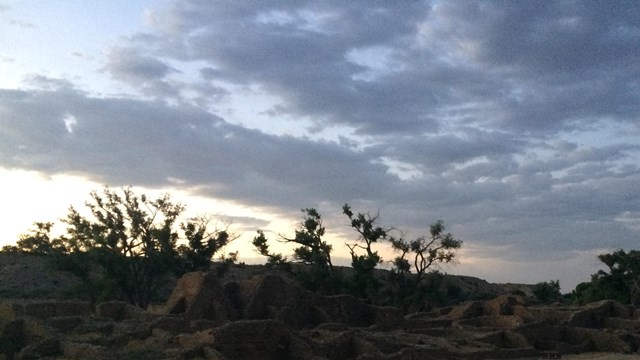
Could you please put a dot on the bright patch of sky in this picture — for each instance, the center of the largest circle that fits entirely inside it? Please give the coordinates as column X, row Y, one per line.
column 378, row 61
column 64, row 39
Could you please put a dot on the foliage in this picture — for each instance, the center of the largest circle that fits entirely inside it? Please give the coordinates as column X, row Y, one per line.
column 409, row 290
column 310, row 250
column 547, row 292
column 364, row 282
column 277, row 261
column 440, row 247
column 37, row 241
column 128, row 246
column 620, row 283
column 202, row 244
column 434, row 289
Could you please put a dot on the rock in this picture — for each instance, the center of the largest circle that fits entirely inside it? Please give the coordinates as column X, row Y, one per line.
column 73, row 308
column 125, row 331
column 622, row 324
column 270, row 294
column 413, row 324
column 9, row 311
column 119, row 310
column 505, row 339
column 502, row 305
column 196, row 339
column 36, row 329
column 40, row 309
column 365, row 349
column 273, row 297
column 541, row 335
column 611, row 342
column 64, row 323
column 551, row 315
column 41, row 349
column 387, row 318
column 12, row 338
column 254, row 339
column 272, row 317
column 492, row 321
column 347, row 309
column 593, row 315
column 157, row 340
column 99, row 326
column 330, row 343
column 466, row 310
column 212, row 354
column 79, row 351
column 199, row 295
column 332, row 327
column 171, row 324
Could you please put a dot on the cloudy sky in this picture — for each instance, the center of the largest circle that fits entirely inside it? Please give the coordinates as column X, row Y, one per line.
column 517, row 123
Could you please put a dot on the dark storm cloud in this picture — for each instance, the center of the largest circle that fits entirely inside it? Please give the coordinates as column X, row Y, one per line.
column 128, row 65
column 527, row 66
column 125, row 141
column 562, row 60
column 143, row 72
column 299, row 51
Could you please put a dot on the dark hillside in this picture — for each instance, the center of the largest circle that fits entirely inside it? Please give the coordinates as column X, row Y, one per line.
column 24, row 276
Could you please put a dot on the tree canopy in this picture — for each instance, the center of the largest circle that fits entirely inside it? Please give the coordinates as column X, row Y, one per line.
column 127, row 244
column 621, row 282
column 124, row 246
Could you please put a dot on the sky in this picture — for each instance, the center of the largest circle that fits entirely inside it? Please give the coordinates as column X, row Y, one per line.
column 516, row 123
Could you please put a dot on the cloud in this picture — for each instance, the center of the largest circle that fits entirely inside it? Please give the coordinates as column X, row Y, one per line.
column 534, row 67
column 516, row 123
column 113, row 137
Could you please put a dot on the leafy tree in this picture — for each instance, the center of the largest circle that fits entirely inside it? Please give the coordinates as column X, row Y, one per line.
column 409, row 290
column 277, row 261
column 620, row 283
column 37, row 241
column 547, row 292
column 364, row 281
column 128, row 245
column 202, row 244
column 440, row 247
column 312, row 250
column 131, row 237
column 309, row 249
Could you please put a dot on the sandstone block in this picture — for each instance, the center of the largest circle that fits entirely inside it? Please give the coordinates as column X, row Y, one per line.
column 253, row 340
column 119, row 310
column 40, row 309
column 172, row 324
column 73, row 308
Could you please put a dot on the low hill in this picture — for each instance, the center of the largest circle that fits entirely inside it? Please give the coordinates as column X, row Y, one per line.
column 24, row 276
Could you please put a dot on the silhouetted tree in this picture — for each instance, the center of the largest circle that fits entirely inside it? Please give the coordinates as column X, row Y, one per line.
column 37, row 241
column 128, row 245
column 277, row 261
column 364, row 281
column 311, row 248
column 439, row 247
column 202, row 243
